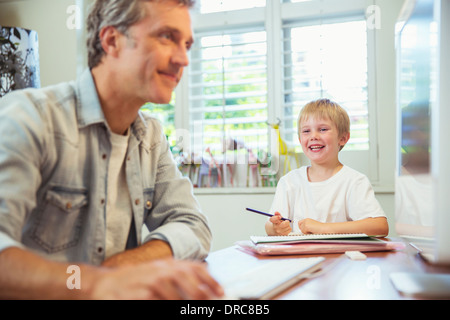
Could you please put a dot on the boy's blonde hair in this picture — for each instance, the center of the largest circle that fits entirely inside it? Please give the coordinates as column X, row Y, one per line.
column 326, row 109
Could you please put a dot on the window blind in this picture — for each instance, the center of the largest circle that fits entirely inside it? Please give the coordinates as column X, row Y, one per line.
column 228, row 90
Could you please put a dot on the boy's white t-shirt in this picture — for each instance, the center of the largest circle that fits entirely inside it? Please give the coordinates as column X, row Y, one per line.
column 346, row 196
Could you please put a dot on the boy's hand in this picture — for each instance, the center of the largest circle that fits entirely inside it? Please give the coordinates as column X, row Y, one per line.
column 280, row 227
column 311, row 226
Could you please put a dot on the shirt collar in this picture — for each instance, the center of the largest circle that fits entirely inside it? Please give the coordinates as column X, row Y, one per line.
column 89, row 110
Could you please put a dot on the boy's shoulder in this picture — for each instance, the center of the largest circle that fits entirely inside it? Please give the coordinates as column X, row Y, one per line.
column 294, row 176
column 352, row 175
column 296, row 172
column 350, row 171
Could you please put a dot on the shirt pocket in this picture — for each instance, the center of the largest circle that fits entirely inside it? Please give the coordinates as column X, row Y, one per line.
column 59, row 222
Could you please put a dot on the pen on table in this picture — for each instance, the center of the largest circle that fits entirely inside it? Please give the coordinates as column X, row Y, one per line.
column 266, row 214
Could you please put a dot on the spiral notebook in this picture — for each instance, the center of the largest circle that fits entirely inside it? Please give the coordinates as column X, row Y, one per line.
column 295, row 238
column 319, row 247
column 317, row 244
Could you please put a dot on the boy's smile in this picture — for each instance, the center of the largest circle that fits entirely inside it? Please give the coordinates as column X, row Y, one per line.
column 316, row 147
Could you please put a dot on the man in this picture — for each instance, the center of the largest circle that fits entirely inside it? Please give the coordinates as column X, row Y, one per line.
column 82, row 169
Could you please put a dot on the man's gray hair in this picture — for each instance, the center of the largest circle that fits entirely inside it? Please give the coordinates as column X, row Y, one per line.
column 120, row 14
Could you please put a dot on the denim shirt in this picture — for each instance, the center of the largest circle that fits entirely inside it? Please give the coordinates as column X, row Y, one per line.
column 54, row 154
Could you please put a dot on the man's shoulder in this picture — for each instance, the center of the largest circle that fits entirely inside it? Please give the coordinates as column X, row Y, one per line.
column 153, row 124
column 42, row 100
column 152, row 127
column 41, row 97
column 149, row 118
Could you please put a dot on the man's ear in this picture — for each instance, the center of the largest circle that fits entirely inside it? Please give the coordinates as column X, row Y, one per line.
column 110, row 40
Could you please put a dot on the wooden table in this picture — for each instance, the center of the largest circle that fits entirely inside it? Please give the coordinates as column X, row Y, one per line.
column 342, row 278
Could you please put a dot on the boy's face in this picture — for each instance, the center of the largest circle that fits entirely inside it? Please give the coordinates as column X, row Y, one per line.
column 320, row 140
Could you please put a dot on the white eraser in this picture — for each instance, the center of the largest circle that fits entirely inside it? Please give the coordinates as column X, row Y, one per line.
column 355, row 255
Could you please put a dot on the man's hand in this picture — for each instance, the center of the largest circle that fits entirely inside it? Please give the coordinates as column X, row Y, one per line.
column 160, row 279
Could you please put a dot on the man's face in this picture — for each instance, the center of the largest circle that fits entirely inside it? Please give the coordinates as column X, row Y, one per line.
column 155, row 51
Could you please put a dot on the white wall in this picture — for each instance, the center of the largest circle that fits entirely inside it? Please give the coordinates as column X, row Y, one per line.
column 57, row 43
column 228, row 219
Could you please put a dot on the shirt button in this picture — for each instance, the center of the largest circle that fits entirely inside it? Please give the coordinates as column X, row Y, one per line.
column 102, row 201
column 137, row 201
column 148, row 204
column 104, row 156
column 99, row 249
column 68, row 205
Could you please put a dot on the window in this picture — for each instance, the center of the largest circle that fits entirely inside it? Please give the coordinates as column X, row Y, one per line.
column 228, row 91
column 261, row 64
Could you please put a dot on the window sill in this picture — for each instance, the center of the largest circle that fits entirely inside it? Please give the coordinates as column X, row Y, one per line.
column 237, row 190
column 269, row 190
column 383, row 189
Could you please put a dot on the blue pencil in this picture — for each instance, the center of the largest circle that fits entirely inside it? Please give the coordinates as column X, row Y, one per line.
column 266, row 214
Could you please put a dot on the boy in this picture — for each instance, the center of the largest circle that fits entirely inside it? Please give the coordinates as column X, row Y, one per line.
column 327, row 196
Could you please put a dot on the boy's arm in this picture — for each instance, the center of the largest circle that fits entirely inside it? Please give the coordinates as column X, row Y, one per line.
column 371, row 226
column 274, row 226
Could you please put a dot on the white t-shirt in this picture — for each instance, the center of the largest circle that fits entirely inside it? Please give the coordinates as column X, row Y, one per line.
column 346, row 196
column 118, row 205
